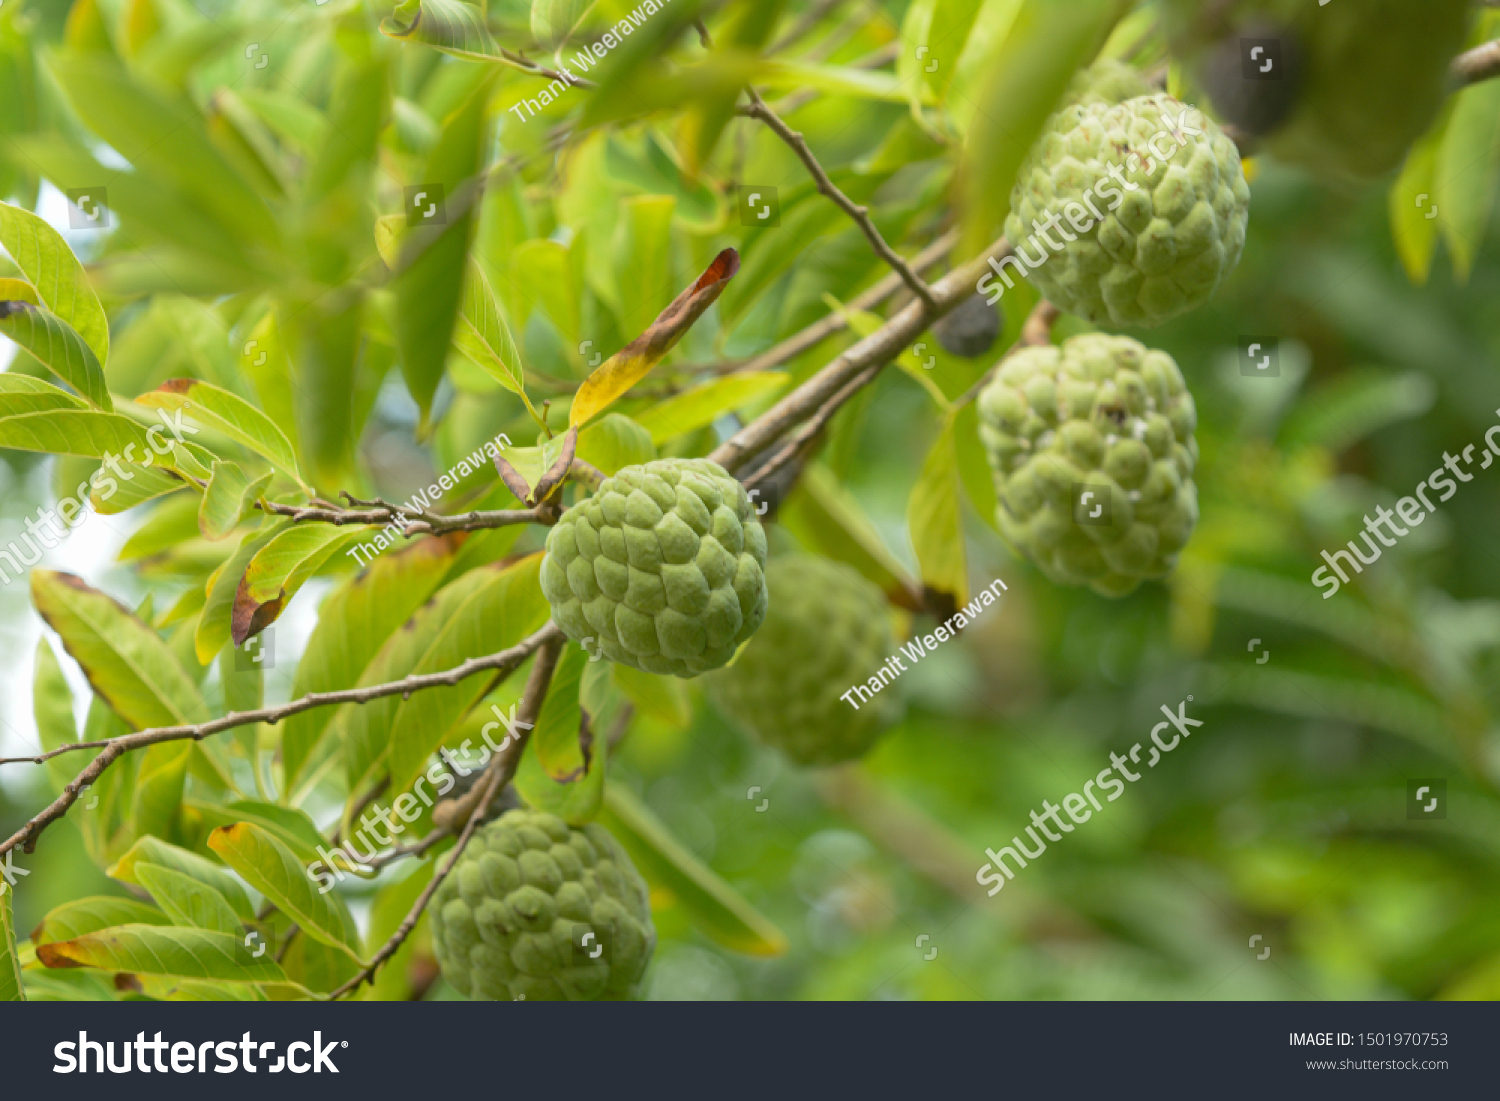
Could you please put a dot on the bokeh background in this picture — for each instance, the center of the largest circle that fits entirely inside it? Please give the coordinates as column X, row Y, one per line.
column 1286, row 816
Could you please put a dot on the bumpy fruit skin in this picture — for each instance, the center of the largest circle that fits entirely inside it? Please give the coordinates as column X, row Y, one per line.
column 511, row 918
column 1375, row 77
column 1102, row 415
column 661, row 568
column 828, row 629
column 1172, row 228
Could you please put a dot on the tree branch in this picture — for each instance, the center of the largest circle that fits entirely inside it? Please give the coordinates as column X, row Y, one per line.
column 875, row 350
column 820, row 330
column 112, row 749
column 1480, row 63
column 860, row 214
column 381, row 513
column 501, row 770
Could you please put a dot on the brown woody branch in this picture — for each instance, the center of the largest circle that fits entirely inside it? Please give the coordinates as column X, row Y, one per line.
column 1480, row 63
column 412, row 521
column 505, row 661
column 501, row 770
column 875, row 350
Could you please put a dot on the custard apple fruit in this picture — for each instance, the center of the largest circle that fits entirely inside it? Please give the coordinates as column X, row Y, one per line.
column 661, row 569
column 1375, row 72
column 1092, row 449
column 827, row 630
column 538, row 909
column 1149, row 205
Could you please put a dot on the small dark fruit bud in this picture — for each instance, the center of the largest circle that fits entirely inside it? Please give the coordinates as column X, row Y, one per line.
column 970, row 330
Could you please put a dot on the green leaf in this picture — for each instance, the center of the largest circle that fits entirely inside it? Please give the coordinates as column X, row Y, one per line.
column 57, row 347
column 156, row 798
column 716, row 907
column 229, row 498
column 643, row 258
column 429, row 286
column 214, row 623
column 556, row 736
column 52, row 708
column 613, row 442
column 274, row 870
column 10, row 963
column 392, row 903
column 541, row 270
column 94, row 434
column 825, row 517
column 1046, row 44
column 21, row 394
column 1466, row 172
column 165, row 138
column 837, row 80
column 279, row 569
column 230, row 414
column 187, row 901
column 973, row 465
column 486, row 610
column 1413, row 209
column 484, row 337
column 702, row 405
column 354, row 622
column 449, row 25
column 933, row 35
column 662, row 698
column 127, row 662
column 576, row 800
column 89, row 915
column 292, row 827
column 159, row 950
column 1358, row 403
column 934, row 515
column 55, row 275
column 151, row 850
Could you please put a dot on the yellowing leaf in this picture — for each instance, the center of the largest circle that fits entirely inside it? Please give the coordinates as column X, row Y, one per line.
column 632, row 363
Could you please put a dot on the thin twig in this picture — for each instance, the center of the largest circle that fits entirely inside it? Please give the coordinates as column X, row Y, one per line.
column 875, row 350
column 501, row 770
column 1480, row 63
column 411, row 521
column 113, row 748
column 860, row 214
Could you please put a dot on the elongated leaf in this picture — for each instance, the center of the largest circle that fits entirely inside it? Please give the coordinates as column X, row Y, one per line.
column 542, row 270
column 274, row 870
column 164, row 137
column 429, row 287
column 933, row 36
column 556, row 736
column 95, row 434
column 615, row 441
column 125, row 660
column 10, row 963
column 54, row 343
column 293, row 828
column 213, row 627
column 23, row 394
column 150, row 850
column 89, row 915
column 552, row 21
column 575, row 800
column 229, row 498
column 702, row 405
column 823, row 515
column 55, row 275
column 632, row 363
column 643, row 258
column 449, row 25
column 483, row 335
column 18, row 290
column 1046, row 44
column 392, row 903
column 161, row 950
column 354, row 622
column 279, row 569
column 717, row 908
column 484, row 611
column 156, row 797
column 662, row 698
column 973, row 465
column 934, row 514
column 1414, row 209
column 1466, row 172
column 187, row 901
column 228, row 413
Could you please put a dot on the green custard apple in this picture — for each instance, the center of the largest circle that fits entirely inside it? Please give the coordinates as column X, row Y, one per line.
column 1092, row 449
column 539, row 910
column 827, row 630
column 1127, row 213
column 661, row 569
